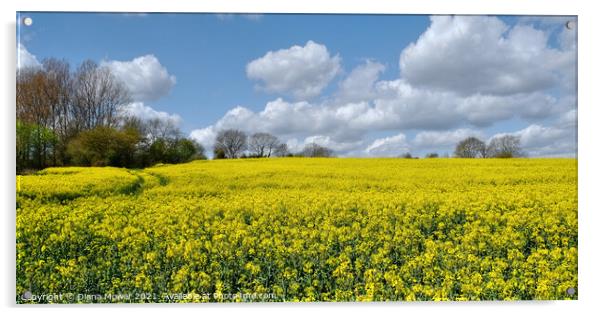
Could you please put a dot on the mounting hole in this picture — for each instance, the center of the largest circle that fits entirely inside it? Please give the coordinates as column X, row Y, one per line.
column 27, row 295
column 27, row 21
column 570, row 25
column 570, row 291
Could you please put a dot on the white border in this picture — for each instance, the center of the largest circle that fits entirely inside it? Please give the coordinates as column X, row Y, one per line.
column 589, row 150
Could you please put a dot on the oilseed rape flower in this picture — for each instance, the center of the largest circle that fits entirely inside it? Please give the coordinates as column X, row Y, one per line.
column 299, row 229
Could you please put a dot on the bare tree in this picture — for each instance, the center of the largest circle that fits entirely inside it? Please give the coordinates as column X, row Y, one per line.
column 281, row 150
column 315, row 150
column 471, row 147
column 162, row 129
column 32, row 106
column 262, row 144
column 58, row 93
column 231, row 142
column 132, row 121
column 406, row 155
column 97, row 95
column 506, row 146
column 57, row 109
column 60, row 104
column 34, row 118
column 151, row 130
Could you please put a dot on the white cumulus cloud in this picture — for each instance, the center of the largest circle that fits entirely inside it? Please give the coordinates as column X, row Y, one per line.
column 480, row 54
column 391, row 146
column 396, row 106
column 444, row 139
column 359, row 84
column 547, row 141
column 147, row 113
column 336, row 145
column 302, row 71
column 26, row 59
column 461, row 76
column 204, row 136
column 145, row 77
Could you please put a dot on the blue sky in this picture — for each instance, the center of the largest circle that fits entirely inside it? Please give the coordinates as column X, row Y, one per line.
column 409, row 93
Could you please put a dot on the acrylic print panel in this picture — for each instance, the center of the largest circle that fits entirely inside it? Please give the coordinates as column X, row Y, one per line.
column 279, row 158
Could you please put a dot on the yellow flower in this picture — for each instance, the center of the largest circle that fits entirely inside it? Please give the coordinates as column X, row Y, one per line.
column 303, row 230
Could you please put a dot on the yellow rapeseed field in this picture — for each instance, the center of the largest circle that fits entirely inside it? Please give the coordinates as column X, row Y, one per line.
column 300, row 229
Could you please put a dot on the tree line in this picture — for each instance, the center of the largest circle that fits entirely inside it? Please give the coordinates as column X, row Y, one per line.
column 233, row 143
column 71, row 117
column 67, row 117
column 506, row 146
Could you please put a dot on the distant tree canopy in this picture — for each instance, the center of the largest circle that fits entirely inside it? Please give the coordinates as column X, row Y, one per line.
column 262, row 144
column 128, row 146
column 218, row 153
column 36, row 146
column 281, row 150
column 315, row 150
column 471, row 147
column 232, row 143
column 66, row 117
column 104, row 146
column 507, row 146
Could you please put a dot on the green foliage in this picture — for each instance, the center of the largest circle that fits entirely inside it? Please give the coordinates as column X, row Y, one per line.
column 218, row 153
column 126, row 147
column 104, row 146
column 66, row 117
column 175, row 151
column 36, row 146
